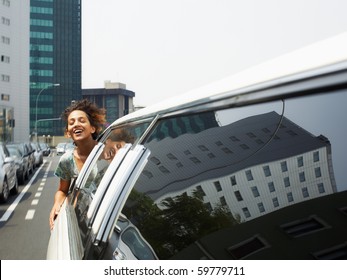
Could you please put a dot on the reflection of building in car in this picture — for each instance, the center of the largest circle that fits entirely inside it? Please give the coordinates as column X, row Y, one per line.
column 245, row 164
column 127, row 242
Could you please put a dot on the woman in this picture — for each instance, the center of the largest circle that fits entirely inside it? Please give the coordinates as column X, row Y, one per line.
column 84, row 121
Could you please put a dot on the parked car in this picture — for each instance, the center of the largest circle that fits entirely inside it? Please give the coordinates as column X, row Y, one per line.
column 61, row 148
column 250, row 167
column 31, row 156
column 26, row 154
column 22, row 170
column 38, row 153
column 8, row 178
column 46, row 150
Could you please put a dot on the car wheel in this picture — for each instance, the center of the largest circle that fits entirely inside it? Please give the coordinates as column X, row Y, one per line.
column 26, row 175
column 22, row 178
column 14, row 190
column 5, row 192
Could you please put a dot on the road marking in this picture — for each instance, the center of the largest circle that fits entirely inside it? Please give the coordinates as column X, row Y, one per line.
column 35, row 202
column 15, row 203
column 30, row 214
column 40, row 189
column 38, row 194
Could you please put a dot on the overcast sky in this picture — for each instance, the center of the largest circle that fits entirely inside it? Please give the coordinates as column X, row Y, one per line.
column 163, row 48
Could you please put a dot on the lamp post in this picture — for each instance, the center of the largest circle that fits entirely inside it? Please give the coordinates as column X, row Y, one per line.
column 37, row 98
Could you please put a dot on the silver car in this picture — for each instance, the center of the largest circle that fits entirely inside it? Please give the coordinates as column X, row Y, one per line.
column 250, row 167
column 22, row 169
column 8, row 177
column 38, row 153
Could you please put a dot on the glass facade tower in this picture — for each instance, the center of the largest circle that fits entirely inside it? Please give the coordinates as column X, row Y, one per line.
column 55, row 62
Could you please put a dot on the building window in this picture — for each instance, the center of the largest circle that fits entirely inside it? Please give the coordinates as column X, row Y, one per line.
column 244, row 146
column 275, row 202
column 284, row 166
column 203, row 148
column 291, row 132
column 271, row 186
column 286, row 182
column 223, row 201
column 251, row 135
column 219, row 143
column 316, row 156
column 249, row 175
column 200, row 191
column 238, row 195
column 255, row 191
column 247, row 247
column 5, row 78
column 227, row 150
column 321, row 188
column 305, row 193
column 337, row 252
column 234, row 139
column 300, row 161
column 318, row 172
column 208, row 207
column 233, row 180
column 304, row 227
column 290, row 197
column 5, row 40
column 267, row 171
column 217, row 186
column 195, row 160
column 302, row 177
column 246, row 212
column 211, row 155
column 261, row 207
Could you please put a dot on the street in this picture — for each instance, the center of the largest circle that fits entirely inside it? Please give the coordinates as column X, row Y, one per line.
column 24, row 227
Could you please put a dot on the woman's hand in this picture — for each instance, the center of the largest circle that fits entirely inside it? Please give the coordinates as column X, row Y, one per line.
column 53, row 215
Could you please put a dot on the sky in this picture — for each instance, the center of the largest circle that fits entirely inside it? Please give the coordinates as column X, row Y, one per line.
column 164, row 48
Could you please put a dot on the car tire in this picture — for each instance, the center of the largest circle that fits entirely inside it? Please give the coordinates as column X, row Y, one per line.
column 15, row 189
column 22, row 178
column 5, row 192
column 26, row 175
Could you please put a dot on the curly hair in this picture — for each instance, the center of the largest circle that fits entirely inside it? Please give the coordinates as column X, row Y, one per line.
column 96, row 115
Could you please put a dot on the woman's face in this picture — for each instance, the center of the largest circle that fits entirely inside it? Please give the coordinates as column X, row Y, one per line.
column 111, row 148
column 78, row 126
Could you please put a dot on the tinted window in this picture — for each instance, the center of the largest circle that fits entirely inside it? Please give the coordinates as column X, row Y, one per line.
column 82, row 197
column 196, row 197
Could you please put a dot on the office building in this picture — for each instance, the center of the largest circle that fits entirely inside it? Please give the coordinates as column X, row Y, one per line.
column 14, row 70
column 114, row 97
column 55, row 62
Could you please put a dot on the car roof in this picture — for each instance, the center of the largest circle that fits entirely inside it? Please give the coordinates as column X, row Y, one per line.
column 323, row 57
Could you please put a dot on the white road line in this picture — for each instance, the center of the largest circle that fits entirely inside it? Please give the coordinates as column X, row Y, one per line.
column 40, row 189
column 30, row 214
column 38, row 194
column 35, row 202
column 14, row 204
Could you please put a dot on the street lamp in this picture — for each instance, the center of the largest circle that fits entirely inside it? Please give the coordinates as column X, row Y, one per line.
column 37, row 98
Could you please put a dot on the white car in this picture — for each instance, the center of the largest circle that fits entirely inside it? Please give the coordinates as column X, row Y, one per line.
column 61, row 148
column 250, row 167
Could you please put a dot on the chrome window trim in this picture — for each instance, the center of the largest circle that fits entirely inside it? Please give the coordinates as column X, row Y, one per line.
column 91, row 159
column 119, row 188
column 103, row 186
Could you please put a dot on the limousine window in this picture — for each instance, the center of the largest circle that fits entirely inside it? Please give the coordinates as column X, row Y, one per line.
column 182, row 213
column 82, row 198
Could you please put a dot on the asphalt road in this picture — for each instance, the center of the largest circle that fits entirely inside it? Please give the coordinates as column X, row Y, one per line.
column 24, row 227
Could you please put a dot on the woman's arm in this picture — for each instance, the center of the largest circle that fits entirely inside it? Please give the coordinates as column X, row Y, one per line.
column 59, row 198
